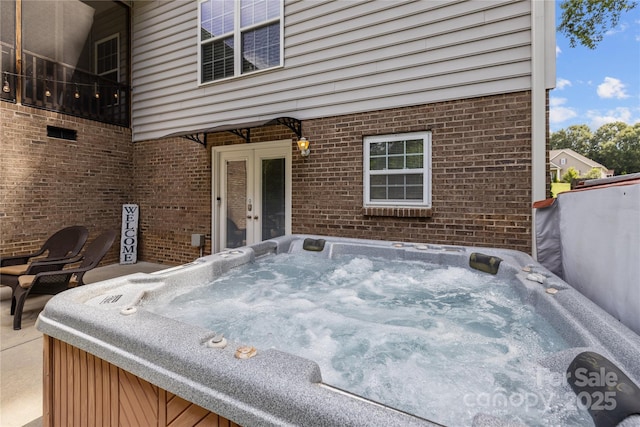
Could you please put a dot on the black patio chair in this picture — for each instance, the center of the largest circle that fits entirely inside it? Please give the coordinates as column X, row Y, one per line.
column 64, row 244
column 54, row 282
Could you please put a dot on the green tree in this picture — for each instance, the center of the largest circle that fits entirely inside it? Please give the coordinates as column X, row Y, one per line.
column 577, row 137
column 570, row 176
column 608, row 155
column 614, row 145
column 607, row 152
column 586, row 21
column 594, row 173
column 618, row 147
column 628, row 144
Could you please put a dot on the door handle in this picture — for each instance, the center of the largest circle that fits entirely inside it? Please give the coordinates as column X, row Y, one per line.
column 255, row 217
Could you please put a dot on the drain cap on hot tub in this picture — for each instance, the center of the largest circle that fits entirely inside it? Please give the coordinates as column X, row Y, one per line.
column 217, row 341
column 245, row 352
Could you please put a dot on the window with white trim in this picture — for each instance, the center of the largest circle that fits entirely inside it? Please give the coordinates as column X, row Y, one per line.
column 397, row 170
column 107, row 65
column 239, row 37
column 108, row 58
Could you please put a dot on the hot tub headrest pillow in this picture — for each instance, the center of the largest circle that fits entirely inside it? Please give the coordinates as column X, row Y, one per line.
column 482, row 262
column 600, row 386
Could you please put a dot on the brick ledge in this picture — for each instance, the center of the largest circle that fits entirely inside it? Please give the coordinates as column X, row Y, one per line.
column 399, row 212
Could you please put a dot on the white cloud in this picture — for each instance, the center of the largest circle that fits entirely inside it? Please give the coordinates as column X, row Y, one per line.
column 619, row 29
column 562, row 83
column 612, row 88
column 558, row 113
column 558, row 51
column 620, row 114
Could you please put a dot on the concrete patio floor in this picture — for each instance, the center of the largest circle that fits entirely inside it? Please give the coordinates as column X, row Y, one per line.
column 21, row 351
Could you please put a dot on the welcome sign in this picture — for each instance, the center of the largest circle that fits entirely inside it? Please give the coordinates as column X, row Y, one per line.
column 129, row 238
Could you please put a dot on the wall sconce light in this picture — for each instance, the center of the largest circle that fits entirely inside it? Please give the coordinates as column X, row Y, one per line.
column 76, row 94
column 303, row 145
column 47, row 92
column 6, row 88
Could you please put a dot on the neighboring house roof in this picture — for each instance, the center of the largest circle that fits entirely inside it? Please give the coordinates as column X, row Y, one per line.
column 569, row 152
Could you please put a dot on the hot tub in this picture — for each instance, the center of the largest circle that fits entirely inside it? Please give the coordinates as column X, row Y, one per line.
column 181, row 337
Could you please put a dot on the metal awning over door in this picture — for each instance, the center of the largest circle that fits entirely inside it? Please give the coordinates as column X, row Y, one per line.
column 243, row 130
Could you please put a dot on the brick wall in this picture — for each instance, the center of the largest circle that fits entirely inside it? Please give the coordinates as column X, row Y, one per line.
column 172, row 185
column 49, row 183
column 481, row 179
column 481, row 192
column 481, row 189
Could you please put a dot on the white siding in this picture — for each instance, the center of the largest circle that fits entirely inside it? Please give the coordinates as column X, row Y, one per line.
column 340, row 57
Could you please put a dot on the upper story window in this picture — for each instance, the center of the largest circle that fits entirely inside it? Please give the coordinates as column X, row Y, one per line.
column 238, row 37
column 397, row 170
column 563, row 161
column 107, row 52
column 108, row 58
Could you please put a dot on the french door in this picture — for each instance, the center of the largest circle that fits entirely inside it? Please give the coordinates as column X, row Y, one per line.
column 252, row 193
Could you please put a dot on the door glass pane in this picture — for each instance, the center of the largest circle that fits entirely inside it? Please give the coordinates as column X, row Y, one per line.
column 236, row 196
column 273, row 198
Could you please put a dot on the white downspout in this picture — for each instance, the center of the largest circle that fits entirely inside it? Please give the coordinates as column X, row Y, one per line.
column 542, row 39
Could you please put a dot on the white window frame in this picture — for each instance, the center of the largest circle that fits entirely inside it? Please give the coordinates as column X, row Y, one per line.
column 237, row 42
column 104, row 40
column 425, row 170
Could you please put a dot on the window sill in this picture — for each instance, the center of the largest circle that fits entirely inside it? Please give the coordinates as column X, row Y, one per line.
column 398, row 212
column 247, row 74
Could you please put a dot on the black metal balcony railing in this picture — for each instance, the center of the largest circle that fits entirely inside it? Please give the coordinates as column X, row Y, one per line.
column 57, row 87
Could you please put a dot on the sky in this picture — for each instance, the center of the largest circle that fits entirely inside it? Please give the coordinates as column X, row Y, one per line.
column 601, row 85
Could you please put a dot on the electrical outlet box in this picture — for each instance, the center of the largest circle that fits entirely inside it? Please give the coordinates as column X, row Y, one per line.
column 197, row 240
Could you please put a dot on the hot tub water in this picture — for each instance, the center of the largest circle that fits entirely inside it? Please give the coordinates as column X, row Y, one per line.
column 443, row 343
